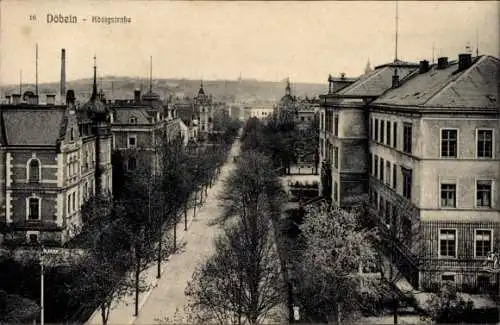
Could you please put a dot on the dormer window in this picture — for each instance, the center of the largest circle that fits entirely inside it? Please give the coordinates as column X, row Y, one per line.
column 34, row 170
column 132, row 120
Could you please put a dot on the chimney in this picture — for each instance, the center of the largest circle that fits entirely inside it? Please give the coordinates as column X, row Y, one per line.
column 395, row 80
column 8, row 99
column 70, row 97
column 464, row 61
column 51, row 99
column 137, row 95
column 16, row 99
column 424, row 66
column 442, row 63
column 63, row 73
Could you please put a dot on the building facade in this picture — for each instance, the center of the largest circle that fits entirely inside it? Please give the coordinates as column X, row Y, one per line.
column 53, row 158
column 420, row 140
column 139, row 126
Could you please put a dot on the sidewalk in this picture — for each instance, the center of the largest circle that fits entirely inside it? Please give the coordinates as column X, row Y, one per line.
column 166, row 294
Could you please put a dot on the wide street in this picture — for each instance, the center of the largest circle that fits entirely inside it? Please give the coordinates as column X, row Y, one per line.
column 167, row 295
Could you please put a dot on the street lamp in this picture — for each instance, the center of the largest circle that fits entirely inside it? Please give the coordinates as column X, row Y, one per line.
column 43, row 252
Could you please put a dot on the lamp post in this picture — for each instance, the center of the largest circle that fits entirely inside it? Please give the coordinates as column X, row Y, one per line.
column 43, row 252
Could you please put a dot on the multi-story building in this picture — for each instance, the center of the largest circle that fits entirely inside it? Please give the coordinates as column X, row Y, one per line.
column 425, row 151
column 343, row 130
column 139, row 126
column 52, row 159
column 261, row 111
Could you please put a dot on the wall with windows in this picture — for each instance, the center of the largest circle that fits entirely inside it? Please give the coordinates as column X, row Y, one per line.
column 460, row 138
column 455, row 251
column 461, row 171
column 124, row 139
column 393, row 151
column 34, row 207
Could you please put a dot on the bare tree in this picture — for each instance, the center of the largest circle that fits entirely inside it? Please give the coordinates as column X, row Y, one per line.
column 242, row 281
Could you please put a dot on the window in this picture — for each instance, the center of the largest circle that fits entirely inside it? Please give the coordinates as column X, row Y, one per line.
column 395, row 135
column 132, row 141
column 407, row 137
column 382, row 169
column 33, row 208
column 132, row 120
column 388, row 130
column 372, row 167
column 69, row 203
column 448, row 278
column 407, row 182
column 33, row 238
column 483, row 194
column 375, row 136
column 336, row 125
column 301, row 118
column 382, row 131
column 336, row 157
column 448, row 195
column 335, row 191
column 371, row 129
column 86, row 190
column 388, row 210
column 483, row 243
column 131, row 164
column 73, row 205
column 388, row 172
column 34, row 170
column 449, row 143
column 484, row 143
column 394, row 176
column 375, row 172
column 447, row 243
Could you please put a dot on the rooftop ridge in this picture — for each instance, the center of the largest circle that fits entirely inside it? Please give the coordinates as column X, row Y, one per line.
column 453, row 80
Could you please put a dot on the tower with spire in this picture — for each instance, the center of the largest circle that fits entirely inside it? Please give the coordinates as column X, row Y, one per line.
column 205, row 111
column 368, row 67
column 98, row 122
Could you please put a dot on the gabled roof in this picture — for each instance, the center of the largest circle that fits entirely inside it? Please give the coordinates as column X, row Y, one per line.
column 33, row 126
column 123, row 115
column 475, row 87
column 376, row 82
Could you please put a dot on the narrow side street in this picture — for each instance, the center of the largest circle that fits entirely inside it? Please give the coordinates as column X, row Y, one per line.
column 196, row 244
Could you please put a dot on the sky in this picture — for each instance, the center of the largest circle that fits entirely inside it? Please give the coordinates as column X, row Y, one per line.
column 208, row 40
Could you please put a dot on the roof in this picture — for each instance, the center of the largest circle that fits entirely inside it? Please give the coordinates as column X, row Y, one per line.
column 475, row 87
column 376, row 82
column 32, row 126
column 123, row 114
column 150, row 95
column 94, row 105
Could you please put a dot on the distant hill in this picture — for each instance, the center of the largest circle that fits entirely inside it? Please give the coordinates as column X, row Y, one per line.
column 228, row 90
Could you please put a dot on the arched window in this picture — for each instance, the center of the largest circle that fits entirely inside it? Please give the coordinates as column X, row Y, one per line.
column 131, row 164
column 34, row 170
column 132, row 120
column 33, row 208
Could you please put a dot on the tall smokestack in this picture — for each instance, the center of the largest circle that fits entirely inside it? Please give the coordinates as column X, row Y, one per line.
column 63, row 73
